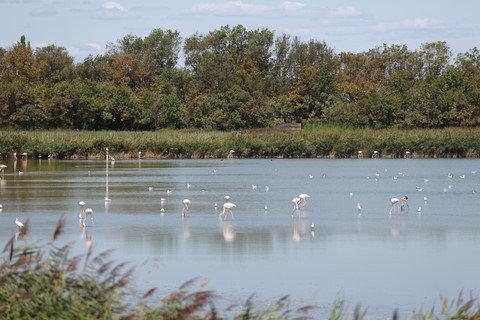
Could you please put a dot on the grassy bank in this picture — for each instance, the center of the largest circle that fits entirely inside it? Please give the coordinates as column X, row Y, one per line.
column 47, row 282
column 272, row 143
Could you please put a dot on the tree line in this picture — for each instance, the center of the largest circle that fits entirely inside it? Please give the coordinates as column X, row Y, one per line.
column 233, row 78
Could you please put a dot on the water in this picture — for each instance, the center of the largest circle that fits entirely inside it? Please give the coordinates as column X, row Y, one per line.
column 383, row 262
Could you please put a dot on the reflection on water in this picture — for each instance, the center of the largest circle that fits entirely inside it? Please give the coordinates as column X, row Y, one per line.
column 377, row 255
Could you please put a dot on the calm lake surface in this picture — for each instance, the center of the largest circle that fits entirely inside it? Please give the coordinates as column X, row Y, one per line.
column 383, row 262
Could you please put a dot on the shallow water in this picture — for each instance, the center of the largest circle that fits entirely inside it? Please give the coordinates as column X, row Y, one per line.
column 384, row 262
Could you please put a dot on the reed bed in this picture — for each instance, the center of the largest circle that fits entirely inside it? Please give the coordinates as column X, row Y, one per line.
column 264, row 143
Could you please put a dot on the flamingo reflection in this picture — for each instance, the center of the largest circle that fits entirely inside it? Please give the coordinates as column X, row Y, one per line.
column 228, row 232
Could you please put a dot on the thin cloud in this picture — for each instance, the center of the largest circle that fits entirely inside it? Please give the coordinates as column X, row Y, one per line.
column 407, row 24
column 291, row 6
column 346, row 12
column 113, row 9
column 230, row 7
column 43, row 12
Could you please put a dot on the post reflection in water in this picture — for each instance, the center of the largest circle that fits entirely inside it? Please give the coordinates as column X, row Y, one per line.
column 336, row 249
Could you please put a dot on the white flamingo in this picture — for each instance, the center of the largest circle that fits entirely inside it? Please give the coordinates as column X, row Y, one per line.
column 227, row 210
column 295, row 202
column 394, row 202
column 19, row 223
column 82, row 210
column 186, row 203
column 303, row 200
column 88, row 213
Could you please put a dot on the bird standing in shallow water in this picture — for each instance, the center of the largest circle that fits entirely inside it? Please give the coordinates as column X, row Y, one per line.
column 186, row 203
column 19, row 223
column 227, row 211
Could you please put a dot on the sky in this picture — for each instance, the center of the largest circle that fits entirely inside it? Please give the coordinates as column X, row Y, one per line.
column 86, row 27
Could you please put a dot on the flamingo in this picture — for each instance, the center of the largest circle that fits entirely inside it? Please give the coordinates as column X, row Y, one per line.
column 296, row 201
column 2, row 170
column 82, row 211
column 186, row 203
column 227, row 210
column 303, row 200
column 88, row 213
column 394, row 202
column 19, row 223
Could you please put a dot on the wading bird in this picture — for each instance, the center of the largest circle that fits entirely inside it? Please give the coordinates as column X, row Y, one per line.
column 19, row 223
column 227, row 211
column 295, row 202
column 82, row 210
column 186, row 203
column 394, row 202
column 303, row 200
column 88, row 213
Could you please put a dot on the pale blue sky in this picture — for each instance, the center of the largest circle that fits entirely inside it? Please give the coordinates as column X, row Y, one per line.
column 86, row 26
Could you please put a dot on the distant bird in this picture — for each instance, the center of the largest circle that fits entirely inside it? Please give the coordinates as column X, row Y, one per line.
column 266, row 208
column 227, row 211
column 88, row 214
column 312, row 227
column 359, row 208
column 2, row 170
column 186, row 203
column 450, row 175
column 425, row 199
column 303, row 200
column 296, row 202
column 82, row 211
column 404, row 202
column 419, row 210
column 394, row 202
column 19, row 224
column 20, row 172
column 418, row 189
column 231, row 154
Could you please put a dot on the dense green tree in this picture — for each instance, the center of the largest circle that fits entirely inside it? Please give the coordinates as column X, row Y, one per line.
column 55, row 63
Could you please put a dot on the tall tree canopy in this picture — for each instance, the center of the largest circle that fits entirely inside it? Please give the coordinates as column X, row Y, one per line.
column 233, row 78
